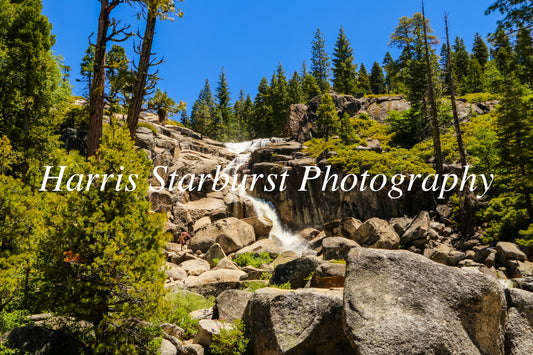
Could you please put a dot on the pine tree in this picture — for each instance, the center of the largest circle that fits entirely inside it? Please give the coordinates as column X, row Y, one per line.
column 223, row 125
column 344, row 70
column 263, row 122
column 109, row 260
column 120, row 78
column 480, row 50
column 164, row 106
column 346, row 130
column 320, row 65
column 392, row 73
column 310, row 87
column 502, row 52
column 33, row 89
column 518, row 13
column 363, row 82
column 203, row 112
column 377, row 82
column 248, row 113
column 524, row 56
column 87, row 69
column 304, row 72
column 460, row 59
column 279, row 100
column 296, row 92
column 473, row 82
column 327, row 120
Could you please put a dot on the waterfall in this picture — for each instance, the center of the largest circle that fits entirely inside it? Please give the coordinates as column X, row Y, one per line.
column 279, row 233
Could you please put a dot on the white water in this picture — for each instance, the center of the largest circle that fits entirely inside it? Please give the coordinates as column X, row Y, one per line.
column 279, row 233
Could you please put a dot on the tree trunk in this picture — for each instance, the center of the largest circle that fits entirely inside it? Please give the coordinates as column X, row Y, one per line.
column 432, row 103
column 97, row 91
column 465, row 205
column 139, row 90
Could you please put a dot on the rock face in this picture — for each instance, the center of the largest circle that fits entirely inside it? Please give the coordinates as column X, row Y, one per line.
column 337, row 248
column 213, row 282
column 262, row 246
column 262, row 226
column 377, row 233
column 304, row 321
column 397, row 302
column 232, row 235
column 519, row 333
column 328, row 275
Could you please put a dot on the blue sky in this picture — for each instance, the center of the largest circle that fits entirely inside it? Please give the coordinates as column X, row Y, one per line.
column 250, row 38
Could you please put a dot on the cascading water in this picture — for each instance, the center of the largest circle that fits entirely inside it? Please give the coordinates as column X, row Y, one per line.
column 280, row 233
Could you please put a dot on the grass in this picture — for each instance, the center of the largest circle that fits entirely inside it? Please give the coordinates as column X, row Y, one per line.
column 148, row 125
column 181, row 304
column 250, row 259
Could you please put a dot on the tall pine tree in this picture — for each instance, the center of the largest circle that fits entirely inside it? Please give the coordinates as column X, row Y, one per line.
column 480, row 51
column 223, row 126
column 320, row 65
column 377, row 82
column 344, row 69
column 363, row 82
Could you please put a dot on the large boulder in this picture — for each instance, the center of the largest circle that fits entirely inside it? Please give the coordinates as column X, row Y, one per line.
column 231, row 304
column 418, row 229
column 262, row 226
column 213, row 282
column 509, row 251
column 175, row 272
column 305, row 321
column 329, row 275
column 377, row 233
column 260, row 247
column 398, row 302
column 519, row 332
column 215, row 251
column 345, row 227
column 337, row 248
column 295, row 271
column 195, row 267
column 207, row 328
column 232, row 235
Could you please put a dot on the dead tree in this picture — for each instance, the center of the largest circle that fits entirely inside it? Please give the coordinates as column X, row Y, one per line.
column 432, row 101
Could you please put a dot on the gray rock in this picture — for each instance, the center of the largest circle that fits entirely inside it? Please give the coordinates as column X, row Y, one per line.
column 215, row 251
column 231, row 304
column 207, row 328
column 397, row 302
column 262, row 226
column 232, row 235
column 195, row 267
column 305, row 321
column 192, row 349
column 294, row 271
column 417, row 229
column 329, row 275
column 519, row 332
column 172, row 329
column 260, row 247
column 308, row 234
column 337, row 248
column 213, row 282
column 509, row 251
column 167, row 348
column 377, row 233
column 175, row 272
column 226, row 263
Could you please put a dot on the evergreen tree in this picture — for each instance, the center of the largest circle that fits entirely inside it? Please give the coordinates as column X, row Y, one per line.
column 491, row 77
column 279, row 100
column 320, row 65
column 391, row 79
column 502, row 51
column 203, row 112
column 327, row 120
column 473, row 82
column 363, row 82
column 120, row 78
column 480, row 50
column 518, row 13
column 87, row 69
column 223, row 126
column 461, row 59
column 304, row 72
column 310, row 87
column 164, row 106
column 524, row 56
column 377, row 82
column 344, row 70
column 296, row 92
column 346, row 130
column 248, row 113
column 263, row 122
column 33, row 90
column 109, row 260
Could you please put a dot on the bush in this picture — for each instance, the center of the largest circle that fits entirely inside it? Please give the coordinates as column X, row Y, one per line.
column 250, row 259
column 180, row 305
column 148, row 125
column 10, row 320
column 526, row 237
column 479, row 97
column 506, row 215
column 340, row 261
column 253, row 286
column 230, row 341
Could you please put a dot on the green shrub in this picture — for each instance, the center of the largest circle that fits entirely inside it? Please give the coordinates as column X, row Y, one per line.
column 526, row 237
column 148, row 125
column 479, row 97
column 285, row 286
column 180, row 305
column 253, row 286
column 250, row 259
column 230, row 341
column 10, row 320
column 506, row 215
column 215, row 262
column 340, row 261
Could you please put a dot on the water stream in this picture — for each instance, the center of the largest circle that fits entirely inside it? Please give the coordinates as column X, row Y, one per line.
column 279, row 233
